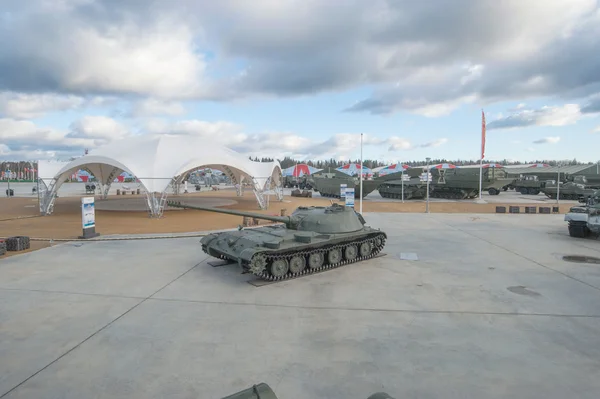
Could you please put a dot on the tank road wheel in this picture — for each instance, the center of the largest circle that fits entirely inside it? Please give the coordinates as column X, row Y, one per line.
column 279, row 267
column 258, row 264
column 316, row 260
column 365, row 249
column 334, row 256
column 351, row 252
column 297, row 264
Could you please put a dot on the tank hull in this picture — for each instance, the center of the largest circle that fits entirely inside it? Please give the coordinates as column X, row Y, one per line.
column 268, row 251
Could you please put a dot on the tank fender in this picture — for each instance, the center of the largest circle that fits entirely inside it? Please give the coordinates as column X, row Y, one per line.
column 576, row 217
column 208, row 238
column 247, row 254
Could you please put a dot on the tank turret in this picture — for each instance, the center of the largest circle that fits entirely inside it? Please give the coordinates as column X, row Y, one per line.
column 310, row 240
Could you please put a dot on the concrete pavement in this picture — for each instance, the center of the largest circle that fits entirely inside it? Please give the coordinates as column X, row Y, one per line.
column 488, row 310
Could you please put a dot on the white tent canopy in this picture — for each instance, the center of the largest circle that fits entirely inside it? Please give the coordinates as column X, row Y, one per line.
column 158, row 161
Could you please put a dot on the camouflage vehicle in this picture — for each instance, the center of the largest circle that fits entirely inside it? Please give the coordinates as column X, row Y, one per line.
column 264, row 391
column 413, row 189
column 577, row 189
column 312, row 239
column 584, row 220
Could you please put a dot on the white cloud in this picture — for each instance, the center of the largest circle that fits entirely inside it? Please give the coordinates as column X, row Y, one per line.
column 596, row 130
column 399, row 143
column 157, row 107
column 28, row 106
column 547, row 140
column 102, row 129
column 435, row 143
column 567, row 114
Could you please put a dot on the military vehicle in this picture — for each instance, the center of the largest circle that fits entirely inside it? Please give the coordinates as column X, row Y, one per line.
column 328, row 184
column 584, row 220
column 527, row 185
column 264, row 391
column 413, row 189
column 312, row 239
column 459, row 183
column 576, row 189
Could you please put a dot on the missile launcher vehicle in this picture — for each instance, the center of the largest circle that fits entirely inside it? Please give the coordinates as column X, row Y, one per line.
column 312, row 239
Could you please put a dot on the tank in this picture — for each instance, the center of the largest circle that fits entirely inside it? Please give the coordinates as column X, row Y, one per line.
column 576, row 189
column 328, row 185
column 584, row 220
column 264, row 391
column 311, row 239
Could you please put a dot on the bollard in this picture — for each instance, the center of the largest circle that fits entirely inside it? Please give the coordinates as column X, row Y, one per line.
column 246, row 221
column 118, row 191
column 138, row 190
column 254, row 222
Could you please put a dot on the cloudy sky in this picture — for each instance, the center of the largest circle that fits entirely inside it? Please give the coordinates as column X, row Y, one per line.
column 304, row 78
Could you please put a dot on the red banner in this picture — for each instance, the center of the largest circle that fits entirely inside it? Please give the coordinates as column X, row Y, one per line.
column 482, row 134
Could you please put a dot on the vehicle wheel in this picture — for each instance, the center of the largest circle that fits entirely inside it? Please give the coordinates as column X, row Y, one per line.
column 334, row 256
column 524, row 190
column 315, row 260
column 493, row 191
column 351, row 252
column 297, row 264
column 365, row 249
column 279, row 267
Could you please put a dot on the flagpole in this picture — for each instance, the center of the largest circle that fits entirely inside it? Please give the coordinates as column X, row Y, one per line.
column 482, row 155
column 361, row 172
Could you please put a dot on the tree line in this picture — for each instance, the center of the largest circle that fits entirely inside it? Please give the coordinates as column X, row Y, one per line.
column 373, row 163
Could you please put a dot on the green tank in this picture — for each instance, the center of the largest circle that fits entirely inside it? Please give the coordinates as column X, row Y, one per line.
column 312, row 239
column 264, row 391
column 413, row 189
column 576, row 189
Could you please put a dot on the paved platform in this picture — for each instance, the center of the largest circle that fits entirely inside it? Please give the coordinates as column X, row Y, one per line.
column 486, row 308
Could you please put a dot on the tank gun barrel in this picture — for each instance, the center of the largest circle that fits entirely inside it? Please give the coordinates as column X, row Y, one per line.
column 264, row 391
column 280, row 219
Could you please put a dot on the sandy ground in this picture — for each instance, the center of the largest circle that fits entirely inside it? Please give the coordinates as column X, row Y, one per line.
column 20, row 216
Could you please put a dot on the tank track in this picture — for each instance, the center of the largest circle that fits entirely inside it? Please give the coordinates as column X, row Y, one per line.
column 377, row 243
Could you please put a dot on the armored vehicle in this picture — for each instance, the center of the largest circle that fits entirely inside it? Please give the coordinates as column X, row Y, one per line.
column 584, row 219
column 463, row 183
column 328, row 184
column 312, row 239
column 527, row 185
column 413, row 189
column 576, row 189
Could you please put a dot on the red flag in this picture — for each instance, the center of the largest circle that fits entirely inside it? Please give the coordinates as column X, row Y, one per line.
column 482, row 134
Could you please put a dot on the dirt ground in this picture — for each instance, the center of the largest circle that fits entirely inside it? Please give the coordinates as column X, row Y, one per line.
column 20, row 216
